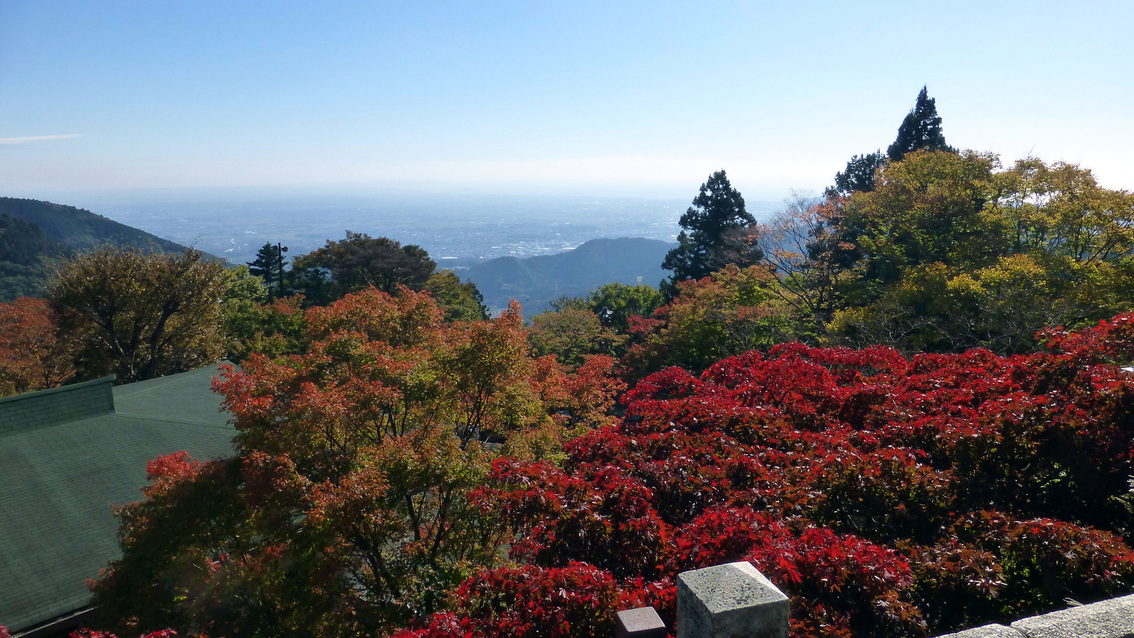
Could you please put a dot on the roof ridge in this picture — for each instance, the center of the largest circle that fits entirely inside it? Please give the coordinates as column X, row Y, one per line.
column 45, row 408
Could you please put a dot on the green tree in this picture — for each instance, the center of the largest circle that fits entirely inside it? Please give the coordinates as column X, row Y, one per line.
column 729, row 312
column 953, row 254
column 615, row 303
column 141, row 316
column 858, row 176
column 926, row 208
column 577, row 328
column 26, row 257
column 572, row 334
column 460, row 301
column 270, row 329
column 269, row 266
column 920, row 131
column 358, row 262
column 1060, row 210
column 717, row 231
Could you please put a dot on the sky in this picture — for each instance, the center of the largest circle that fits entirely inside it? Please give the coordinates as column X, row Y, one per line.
column 634, row 98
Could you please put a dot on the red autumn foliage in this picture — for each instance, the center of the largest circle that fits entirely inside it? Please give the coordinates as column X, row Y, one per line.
column 606, row 521
column 403, row 473
column 167, row 471
column 32, row 354
column 348, row 507
column 887, row 496
column 529, row 601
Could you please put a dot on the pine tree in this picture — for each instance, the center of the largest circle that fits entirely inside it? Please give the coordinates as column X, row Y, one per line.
column 716, row 232
column 269, row 266
column 858, row 176
column 921, row 130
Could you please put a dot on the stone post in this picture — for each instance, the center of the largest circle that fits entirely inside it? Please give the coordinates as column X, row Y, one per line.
column 642, row 622
column 730, row 601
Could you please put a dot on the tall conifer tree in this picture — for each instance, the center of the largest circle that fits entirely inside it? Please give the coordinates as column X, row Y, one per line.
column 269, row 266
column 921, row 130
column 713, row 234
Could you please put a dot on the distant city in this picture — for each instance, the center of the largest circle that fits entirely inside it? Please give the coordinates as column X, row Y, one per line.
column 457, row 230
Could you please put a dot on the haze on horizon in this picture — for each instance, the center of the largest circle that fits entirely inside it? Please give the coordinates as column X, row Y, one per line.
column 636, row 98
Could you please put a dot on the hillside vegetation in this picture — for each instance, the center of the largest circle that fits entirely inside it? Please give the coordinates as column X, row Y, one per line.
column 34, row 234
column 81, row 230
column 26, row 254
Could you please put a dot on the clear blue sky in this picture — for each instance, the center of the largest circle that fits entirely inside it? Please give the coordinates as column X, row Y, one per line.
column 605, row 97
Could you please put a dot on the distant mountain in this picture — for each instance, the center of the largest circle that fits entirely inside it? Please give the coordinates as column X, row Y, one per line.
column 535, row 281
column 33, row 234
column 82, row 230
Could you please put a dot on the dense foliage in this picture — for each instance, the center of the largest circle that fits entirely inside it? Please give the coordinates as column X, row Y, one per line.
column 33, row 356
column 140, row 316
column 253, row 326
column 347, row 510
column 616, row 303
column 572, row 334
column 598, row 323
column 729, row 312
column 270, row 266
column 26, row 253
column 357, row 262
column 460, row 301
column 887, row 496
column 948, row 253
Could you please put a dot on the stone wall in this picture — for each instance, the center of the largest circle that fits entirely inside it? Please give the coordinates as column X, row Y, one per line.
column 1112, row 618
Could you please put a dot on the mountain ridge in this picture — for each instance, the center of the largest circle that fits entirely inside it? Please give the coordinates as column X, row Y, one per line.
column 80, row 229
column 536, row 281
column 35, row 233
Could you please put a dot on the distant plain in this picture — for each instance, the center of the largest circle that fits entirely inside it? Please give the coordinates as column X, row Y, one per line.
column 458, row 230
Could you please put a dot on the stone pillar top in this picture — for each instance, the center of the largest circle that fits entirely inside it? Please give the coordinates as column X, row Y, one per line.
column 729, row 600
column 642, row 622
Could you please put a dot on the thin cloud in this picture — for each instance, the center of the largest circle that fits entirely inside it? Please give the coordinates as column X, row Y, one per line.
column 8, row 141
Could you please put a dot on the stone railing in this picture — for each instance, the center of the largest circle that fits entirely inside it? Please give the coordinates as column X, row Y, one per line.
column 1112, row 618
column 733, row 600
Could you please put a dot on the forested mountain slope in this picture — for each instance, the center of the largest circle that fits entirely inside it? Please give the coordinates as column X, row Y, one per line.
column 82, row 230
column 25, row 256
column 34, row 233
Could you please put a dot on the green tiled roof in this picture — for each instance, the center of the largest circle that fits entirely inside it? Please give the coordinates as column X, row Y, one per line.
column 58, row 479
